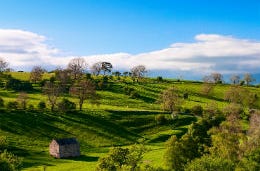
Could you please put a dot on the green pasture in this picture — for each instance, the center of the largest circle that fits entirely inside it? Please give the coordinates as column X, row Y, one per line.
column 119, row 120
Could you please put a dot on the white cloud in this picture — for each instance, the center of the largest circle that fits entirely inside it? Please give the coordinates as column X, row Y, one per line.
column 208, row 52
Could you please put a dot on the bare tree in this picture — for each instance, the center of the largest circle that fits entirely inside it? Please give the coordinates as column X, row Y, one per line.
column 138, row 71
column 23, row 98
column 254, row 131
column 3, row 65
column 235, row 79
column 169, row 99
column 63, row 78
column 96, row 68
column 216, row 77
column 248, row 78
column 207, row 88
column 36, row 74
column 84, row 90
column 77, row 67
column 52, row 90
column 106, row 67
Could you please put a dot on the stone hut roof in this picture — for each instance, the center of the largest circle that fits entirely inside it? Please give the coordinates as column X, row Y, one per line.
column 66, row 141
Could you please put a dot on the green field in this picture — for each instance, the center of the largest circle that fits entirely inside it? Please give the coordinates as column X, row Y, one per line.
column 118, row 120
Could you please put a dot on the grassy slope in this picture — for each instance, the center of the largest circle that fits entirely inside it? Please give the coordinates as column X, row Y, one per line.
column 119, row 120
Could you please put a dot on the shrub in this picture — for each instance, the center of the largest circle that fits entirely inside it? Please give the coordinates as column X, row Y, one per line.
column 197, row 110
column 3, row 143
column 12, row 105
column 41, row 105
column 159, row 79
column 65, row 105
column 186, row 95
column 1, row 102
column 210, row 163
column 160, row 119
column 134, row 94
column 122, row 158
column 10, row 162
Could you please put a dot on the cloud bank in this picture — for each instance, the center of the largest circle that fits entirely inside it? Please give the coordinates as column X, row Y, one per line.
column 208, row 53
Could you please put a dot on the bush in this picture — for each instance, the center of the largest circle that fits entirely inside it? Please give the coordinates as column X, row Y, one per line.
column 1, row 102
column 65, row 105
column 12, row 105
column 186, row 95
column 134, row 95
column 3, row 143
column 159, row 79
column 210, row 163
column 122, row 158
column 197, row 110
column 41, row 105
column 160, row 119
column 10, row 162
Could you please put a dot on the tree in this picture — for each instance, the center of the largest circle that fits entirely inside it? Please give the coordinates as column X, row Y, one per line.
column 235, row 79
column 3, row 65
column 207, row 88
column 63, row 78
column 210, row 163
column 23, row 98
column 10, row 162
column 65, row 105
column 227, row 139
column 138, row 72
column 248, row 78
column 169, row 99
column 77, row 67
column 217, row 77
column 122, row 159
column 36, row 74
column 84, row 90
column 214, row 77
column 106, row 67
column 52, row 90
column 240, row 95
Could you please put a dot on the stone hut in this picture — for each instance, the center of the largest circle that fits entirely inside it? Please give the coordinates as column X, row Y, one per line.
column 64, row 148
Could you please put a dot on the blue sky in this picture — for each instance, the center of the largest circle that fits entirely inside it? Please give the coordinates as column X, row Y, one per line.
column 133, row 27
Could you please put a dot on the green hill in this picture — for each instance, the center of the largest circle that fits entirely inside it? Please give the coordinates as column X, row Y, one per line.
column 119, row 120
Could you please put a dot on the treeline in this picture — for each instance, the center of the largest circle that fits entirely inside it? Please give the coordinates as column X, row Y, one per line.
column 73, row 80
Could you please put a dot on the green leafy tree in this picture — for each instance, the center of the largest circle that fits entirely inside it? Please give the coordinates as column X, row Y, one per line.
column 210, row 163
column 10, row 162
column 128, row 159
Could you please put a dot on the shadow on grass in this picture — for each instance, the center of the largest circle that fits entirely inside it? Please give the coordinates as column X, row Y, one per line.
column 84, row 158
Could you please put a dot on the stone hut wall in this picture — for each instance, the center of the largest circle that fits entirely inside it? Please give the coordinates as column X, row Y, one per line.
column 54, row 149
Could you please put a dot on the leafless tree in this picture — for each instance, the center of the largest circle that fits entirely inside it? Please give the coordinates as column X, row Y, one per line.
column 240, row 95
column 106, row 67
column 207, row 88
column 22, row 99
column 138, row 71
column 3, row 65
column 52, row 90
column 77, row 67
column 248, row 78
column 169, row 99
column 235, row 79
column 63, row 78
column 254, row 130
column 84, row 90
column 216, row 77
column 96, row 68
column 36, row 73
